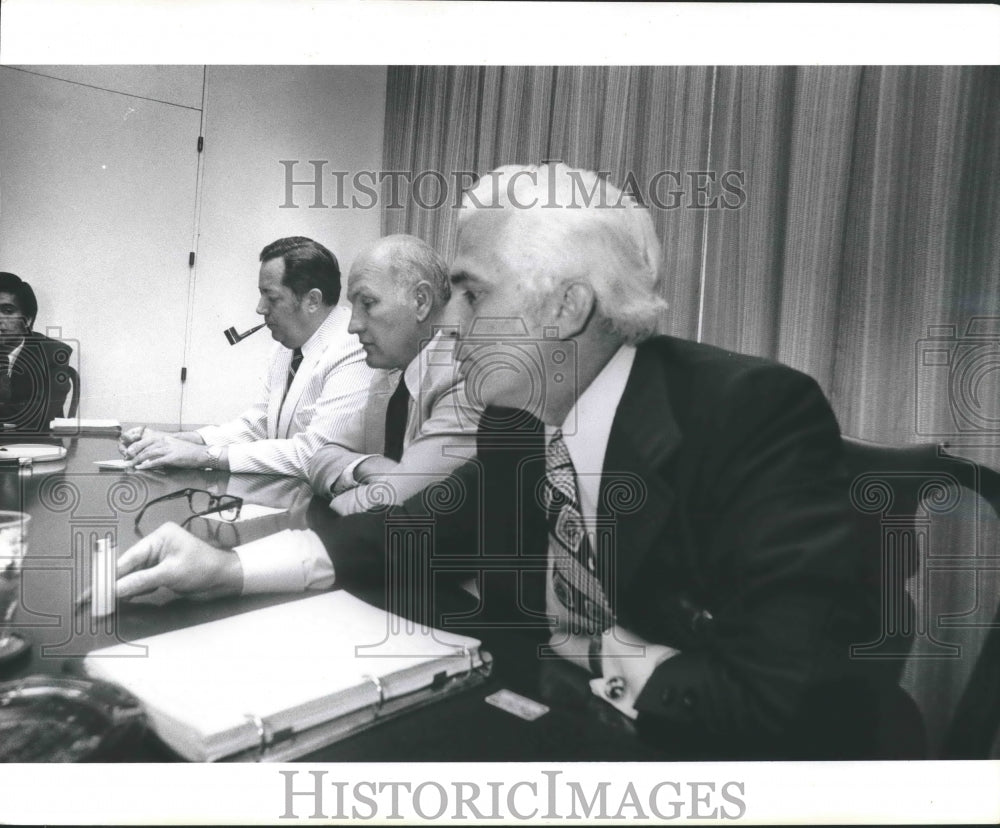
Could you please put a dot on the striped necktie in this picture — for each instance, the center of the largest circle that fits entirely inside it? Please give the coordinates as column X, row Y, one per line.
column 574, row 580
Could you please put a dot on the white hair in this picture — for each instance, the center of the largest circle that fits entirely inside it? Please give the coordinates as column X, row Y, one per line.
column 565, row 224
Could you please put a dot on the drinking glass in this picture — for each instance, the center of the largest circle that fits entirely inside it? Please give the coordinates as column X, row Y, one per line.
column 13, row 548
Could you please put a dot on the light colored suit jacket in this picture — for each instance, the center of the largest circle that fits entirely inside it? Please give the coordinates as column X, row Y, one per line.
column 327, row 403
column 441, row 428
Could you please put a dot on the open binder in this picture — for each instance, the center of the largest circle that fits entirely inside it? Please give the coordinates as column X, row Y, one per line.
column 276, row 683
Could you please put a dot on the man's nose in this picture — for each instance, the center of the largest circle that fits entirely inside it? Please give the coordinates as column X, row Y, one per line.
column 261, row 307
column 355, row 326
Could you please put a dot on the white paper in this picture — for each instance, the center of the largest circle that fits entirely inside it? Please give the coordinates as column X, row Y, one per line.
column 73, row 423
column 249, row 511
column 117, row 463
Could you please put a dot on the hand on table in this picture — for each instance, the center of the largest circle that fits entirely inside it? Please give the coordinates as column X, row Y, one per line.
column 173, row 558
column 134, row 435
column 155, row 450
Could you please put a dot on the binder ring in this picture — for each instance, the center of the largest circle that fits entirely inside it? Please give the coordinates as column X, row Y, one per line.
column 264, row 735
column 380, row 690
column 465, row 651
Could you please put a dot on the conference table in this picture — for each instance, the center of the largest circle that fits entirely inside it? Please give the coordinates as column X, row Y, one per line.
column 73, row 503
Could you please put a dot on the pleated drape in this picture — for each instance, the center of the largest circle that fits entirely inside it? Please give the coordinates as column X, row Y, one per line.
column 863, row 216
column 858, row 241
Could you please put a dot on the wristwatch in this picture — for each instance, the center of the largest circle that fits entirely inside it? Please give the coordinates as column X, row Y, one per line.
column 214, row 456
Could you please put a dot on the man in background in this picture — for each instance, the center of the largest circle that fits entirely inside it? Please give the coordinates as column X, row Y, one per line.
column 398, row 289
column 670, row 517
column 34, row 380
column 317, row 387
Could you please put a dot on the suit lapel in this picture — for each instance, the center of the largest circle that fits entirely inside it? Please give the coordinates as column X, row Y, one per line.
column 306, row 369
column 281, row 414
column 635, row 497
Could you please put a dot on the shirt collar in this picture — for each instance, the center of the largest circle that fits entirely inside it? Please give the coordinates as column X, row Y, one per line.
column 438, row 352
column 14, row 352
column 318, row 339
column 587, row 426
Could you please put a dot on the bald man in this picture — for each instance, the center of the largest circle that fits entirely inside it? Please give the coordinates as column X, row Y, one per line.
column 398, row 289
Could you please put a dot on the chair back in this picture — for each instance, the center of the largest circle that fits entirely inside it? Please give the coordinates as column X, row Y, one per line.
column 74, row 399
column 928, row 522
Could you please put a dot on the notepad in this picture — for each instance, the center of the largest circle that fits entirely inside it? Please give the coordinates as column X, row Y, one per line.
column 77, row 425
column 248, row 511
column 117, row 464
column 35, row 452
column 249, row 685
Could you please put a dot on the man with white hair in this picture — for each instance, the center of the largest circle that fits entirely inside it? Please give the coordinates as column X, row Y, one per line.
column 669, row 516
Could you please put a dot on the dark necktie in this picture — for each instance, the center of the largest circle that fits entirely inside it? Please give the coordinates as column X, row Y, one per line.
column 396, row 413
column 296, row 362
column 4, row 378
column 574, row 580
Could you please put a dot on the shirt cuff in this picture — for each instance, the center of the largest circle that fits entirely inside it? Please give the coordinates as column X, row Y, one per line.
column 364, row 498
column 292, row 560
column 211, row 435
column 347, row 480
column 627, row 661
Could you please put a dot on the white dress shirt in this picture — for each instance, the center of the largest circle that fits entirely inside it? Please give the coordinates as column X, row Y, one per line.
column 586, row 431
column 12, row 358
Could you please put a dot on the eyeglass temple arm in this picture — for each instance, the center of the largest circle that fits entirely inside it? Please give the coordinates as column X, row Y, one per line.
column 163, row 498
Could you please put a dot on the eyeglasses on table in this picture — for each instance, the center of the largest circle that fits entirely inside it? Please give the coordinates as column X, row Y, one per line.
column 201, row 503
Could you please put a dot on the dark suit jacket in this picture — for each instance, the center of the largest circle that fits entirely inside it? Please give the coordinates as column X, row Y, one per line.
column 39, row 384
column 725, row 490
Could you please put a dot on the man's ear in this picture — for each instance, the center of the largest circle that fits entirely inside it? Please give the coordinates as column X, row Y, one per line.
column 576, row 306
column 423, row 298
column 314, row 299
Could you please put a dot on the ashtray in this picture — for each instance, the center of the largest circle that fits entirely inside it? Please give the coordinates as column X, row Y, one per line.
column 54, row 719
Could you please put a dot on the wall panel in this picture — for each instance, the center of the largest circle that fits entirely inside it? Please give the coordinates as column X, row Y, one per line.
column 97, row 194
column 255, row 117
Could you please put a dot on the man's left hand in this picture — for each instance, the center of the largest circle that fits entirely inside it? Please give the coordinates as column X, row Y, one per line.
column 173, row 558
column 154, row 452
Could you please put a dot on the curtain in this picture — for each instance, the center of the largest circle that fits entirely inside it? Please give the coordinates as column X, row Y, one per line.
column 475, row 119
column 872, row 226
column 843, row 220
